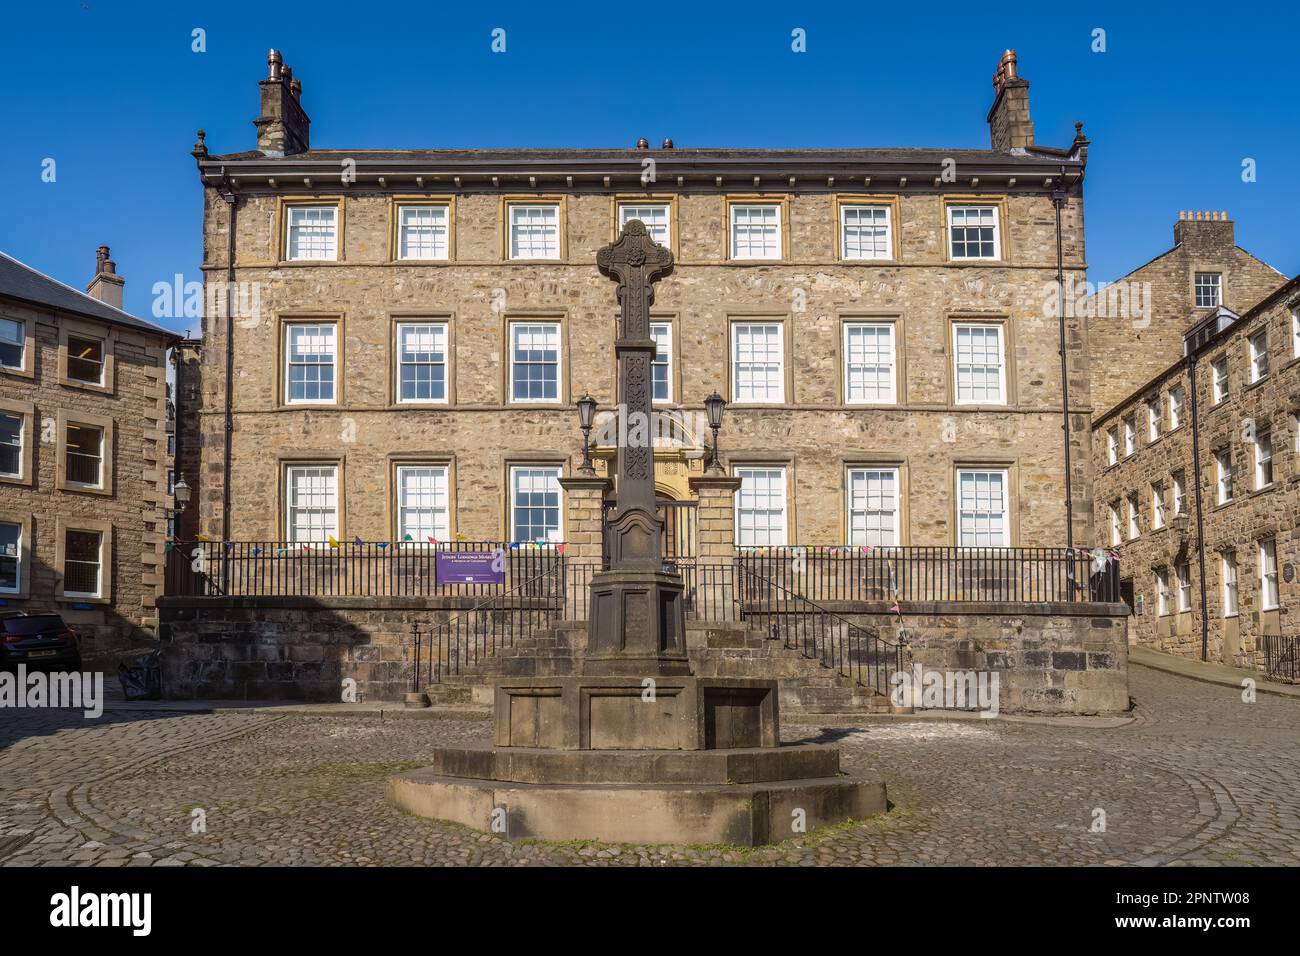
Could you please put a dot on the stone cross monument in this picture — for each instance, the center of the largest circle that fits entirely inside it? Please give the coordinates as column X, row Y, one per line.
column 636, row 623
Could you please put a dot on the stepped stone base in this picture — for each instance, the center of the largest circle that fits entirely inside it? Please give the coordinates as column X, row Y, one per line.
column 744, row 796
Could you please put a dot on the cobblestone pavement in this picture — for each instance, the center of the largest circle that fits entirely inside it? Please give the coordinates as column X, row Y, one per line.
column 1200, row 779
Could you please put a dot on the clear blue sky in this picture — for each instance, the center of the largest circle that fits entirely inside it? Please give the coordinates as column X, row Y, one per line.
column 114, row 93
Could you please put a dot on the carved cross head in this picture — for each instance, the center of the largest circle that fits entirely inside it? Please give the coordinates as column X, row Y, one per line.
column 634, row 259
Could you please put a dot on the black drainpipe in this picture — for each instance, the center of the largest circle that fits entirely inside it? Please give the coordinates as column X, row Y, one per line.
column 228, row 194
column 1058, row 200
column 1200, row 524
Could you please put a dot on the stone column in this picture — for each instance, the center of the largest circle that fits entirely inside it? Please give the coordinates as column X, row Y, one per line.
column 583, row 504
column 715, row 544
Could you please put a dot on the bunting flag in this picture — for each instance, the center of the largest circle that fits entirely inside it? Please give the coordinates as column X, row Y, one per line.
column 306, row 546
column 407, row 537
column 382, row 545
column 357, row 541
column 230, row 545
column 460, row 537
column 201, row 537
column 514, row 545
column 559, row 549
column 281, row 552
column 896, row 609
column 256, row 552
column 334, row 542
column 167, row 547
column 432, row 539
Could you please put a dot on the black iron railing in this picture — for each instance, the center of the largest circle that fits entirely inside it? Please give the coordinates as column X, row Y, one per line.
column 709, row 590
column 469, row 636
column 851, row 650
column 937, row 573
column 1281, row 657
column 356, row 569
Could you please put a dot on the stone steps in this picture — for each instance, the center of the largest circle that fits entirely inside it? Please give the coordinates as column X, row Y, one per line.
column 717, row 649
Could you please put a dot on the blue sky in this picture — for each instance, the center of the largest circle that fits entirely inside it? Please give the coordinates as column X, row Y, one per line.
column 113, row 93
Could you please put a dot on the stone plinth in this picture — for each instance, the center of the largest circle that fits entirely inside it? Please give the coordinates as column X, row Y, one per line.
column 746, row 797
column 631, row 713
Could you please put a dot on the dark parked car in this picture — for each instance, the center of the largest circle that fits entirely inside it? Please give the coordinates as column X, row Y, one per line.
column 38, row 640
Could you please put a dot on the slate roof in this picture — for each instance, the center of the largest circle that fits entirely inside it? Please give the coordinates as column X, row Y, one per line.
column 20, row 281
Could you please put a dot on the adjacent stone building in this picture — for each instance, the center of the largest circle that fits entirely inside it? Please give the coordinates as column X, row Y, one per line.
column 405, row 333
column 83, row 454
column 1198, row 466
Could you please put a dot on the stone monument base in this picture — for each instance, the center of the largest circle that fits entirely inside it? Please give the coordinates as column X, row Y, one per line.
column 742, row 796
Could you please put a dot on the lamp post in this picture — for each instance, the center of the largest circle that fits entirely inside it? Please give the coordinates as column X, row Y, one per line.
column 586, row 415
column 713, row 406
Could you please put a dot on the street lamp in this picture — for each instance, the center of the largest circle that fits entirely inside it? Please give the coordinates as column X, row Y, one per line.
column 586, row 415
column 713, row 406
column 181, row 491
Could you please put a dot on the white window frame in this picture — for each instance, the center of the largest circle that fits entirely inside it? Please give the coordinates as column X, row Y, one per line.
column 1112, row 445
column 879, row 232
column 1180, row 494
column 1154, row 420
column 662, row 333
column 549, row 475
column 1116, row 523
column 433, row 233
column 1228, row 583
column 17, row 557
column 957, row 364
column 20, row 343
column 1263, row 446
column 773, row 496
column 1157, row 505
column 549, row 328
column 1219, row 375
column 884, row 365
column 1130, row 435
column 20, row 447
column 965, row 209
column 295, row 217
column 968, row 518
column 1134, row 522
column 751, row 367
column 1223, row 476
column 1212, row 281
column 1183, row 577
column 329, row 524
column 541, row 229
column 440, row 527
column 872, row 497
column 734, row 227
column 440, row 330
column 1269, row 595
column 1163, row 593
column 1177, row 401
column 99, row 564
column 660, row 225
column 1295, row 332
column 1258, row 344
column 289, row 363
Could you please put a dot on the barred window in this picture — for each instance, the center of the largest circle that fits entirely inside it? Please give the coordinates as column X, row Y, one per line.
column 423, row 231
column 756, row 231
column 535, row 361
column 82, row 563
column 85, row 455
column 873, row 506
column 973, row 232
column 312, row 232
column 865, row 232
column 534, row 231
column 11, row 552
column 869, row 362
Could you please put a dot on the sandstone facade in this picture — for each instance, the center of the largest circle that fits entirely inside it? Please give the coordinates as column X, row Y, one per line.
column 43, row 500
column 810, row 291
column 1254, row 529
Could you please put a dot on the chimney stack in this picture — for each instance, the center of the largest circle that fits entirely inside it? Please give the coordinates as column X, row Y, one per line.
column 107, row 284
column 1009, row 124
column 283, row 127
column 1211, row 232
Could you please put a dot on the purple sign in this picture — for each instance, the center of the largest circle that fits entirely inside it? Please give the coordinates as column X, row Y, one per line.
column 470, row 567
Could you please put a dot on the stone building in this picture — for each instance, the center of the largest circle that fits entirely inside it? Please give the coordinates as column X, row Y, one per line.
column 83, row 454
column 406, row 332
column 1197, row 468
